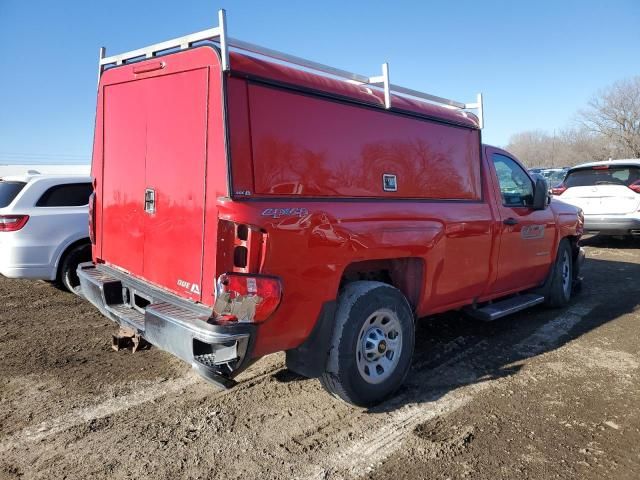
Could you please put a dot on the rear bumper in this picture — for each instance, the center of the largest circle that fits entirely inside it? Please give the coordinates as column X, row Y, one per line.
column 31, row 273
column 614, row 225
column 25, row 261
column 217, row 352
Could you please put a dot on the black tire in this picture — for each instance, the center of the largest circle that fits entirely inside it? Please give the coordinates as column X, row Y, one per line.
column 561, row 285
column 363, row 308
column 67, row 275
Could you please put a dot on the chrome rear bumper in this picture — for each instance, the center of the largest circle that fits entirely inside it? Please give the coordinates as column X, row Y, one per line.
column 180, row 327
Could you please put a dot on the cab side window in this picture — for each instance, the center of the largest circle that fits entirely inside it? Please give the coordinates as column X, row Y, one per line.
column 515, row 185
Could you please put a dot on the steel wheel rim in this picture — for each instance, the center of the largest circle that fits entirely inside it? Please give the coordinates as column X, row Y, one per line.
column 566, row 274
column 379, row 346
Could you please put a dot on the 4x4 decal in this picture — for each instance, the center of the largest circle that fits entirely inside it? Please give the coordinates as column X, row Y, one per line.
column 285, row 212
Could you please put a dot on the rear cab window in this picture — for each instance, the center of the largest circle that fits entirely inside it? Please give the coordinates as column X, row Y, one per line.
column 66, row 195
column 9, row 190
column 623, row 175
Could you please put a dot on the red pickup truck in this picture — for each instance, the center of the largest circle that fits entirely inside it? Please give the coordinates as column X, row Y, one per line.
column 248, row 202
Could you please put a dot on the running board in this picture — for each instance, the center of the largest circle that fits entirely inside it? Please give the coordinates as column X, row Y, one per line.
column 500, row 309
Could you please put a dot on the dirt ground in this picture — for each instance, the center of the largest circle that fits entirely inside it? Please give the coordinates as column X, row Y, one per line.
column 543, row 394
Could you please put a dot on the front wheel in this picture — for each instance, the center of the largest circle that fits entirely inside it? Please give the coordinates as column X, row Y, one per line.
column 372, row 344
column 561, row 284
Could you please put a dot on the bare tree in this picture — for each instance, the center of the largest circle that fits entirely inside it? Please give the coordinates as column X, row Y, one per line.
column 614, row 113
column 534, row 148
column 563, row 148
column 579, row 145
column 608, row 128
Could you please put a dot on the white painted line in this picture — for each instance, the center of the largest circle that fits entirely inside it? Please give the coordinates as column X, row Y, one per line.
column 549, row 333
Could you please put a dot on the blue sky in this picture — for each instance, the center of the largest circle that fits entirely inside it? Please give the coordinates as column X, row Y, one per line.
column 536, row 62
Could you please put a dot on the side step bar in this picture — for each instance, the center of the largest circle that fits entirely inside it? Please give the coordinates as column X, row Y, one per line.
column 500, row 309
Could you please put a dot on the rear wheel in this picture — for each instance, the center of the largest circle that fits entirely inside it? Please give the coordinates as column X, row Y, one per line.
column 68, row 277
column 372, row 344
column 561, row 284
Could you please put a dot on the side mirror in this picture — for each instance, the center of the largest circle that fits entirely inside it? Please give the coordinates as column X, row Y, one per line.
column 540, row 194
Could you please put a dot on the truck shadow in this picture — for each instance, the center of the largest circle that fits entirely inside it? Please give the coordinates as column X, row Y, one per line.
column 453, row 350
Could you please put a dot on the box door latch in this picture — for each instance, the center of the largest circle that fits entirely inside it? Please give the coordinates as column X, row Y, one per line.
column 150, row 200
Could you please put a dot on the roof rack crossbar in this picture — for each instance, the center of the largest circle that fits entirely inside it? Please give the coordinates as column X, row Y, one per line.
column 219, row 34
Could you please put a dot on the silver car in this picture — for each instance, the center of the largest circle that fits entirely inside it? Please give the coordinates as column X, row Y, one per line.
column 44, row 227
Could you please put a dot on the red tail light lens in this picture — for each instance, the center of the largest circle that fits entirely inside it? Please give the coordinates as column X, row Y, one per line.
column 559, row 189
column 635, row 186
column 12, row 223
column 92, row 218
column 247, row 297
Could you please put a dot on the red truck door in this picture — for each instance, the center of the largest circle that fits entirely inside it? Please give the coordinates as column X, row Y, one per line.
column 123, row 179
column 527, row 236
column 154, row 178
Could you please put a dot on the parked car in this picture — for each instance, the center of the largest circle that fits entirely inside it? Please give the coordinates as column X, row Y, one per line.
column 554, row 176
column 608, row 193
column 260, row 207
column 44, row 229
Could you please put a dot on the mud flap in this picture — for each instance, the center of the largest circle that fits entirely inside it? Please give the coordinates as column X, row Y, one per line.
column 310, row 358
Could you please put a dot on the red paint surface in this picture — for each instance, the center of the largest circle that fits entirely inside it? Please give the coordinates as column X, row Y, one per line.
column 523, row 259
column 155, row 136
column 462, row 247
column 313, row 147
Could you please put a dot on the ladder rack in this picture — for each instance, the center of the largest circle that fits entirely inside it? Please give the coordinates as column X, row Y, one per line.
column 219, row 35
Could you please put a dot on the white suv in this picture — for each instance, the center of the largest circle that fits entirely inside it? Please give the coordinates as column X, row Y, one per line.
column 608, row 193
column 44, row 229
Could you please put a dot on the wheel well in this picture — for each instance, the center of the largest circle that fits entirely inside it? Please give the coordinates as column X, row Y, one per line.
column 66, row 251
column 405, row 274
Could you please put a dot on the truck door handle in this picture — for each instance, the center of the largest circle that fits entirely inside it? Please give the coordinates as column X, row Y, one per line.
column 510, row 221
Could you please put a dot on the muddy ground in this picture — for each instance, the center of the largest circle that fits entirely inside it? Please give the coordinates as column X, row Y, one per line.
column 543, row 394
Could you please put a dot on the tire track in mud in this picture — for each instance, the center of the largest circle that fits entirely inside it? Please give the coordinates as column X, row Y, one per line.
column 359, row 457
column 446, row 355
column 341, row 441
column 119, row 404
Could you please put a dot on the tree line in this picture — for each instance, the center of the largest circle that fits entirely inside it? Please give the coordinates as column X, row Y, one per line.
column 607, row 128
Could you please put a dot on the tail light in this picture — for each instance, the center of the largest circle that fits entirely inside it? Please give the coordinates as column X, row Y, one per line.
column 559, row 189
column 12, row 223
column 247, row 297
column 92, row 218
column 635, row 186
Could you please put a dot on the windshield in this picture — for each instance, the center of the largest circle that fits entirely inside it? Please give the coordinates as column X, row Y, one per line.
column 9, row 191
column 603, row 175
